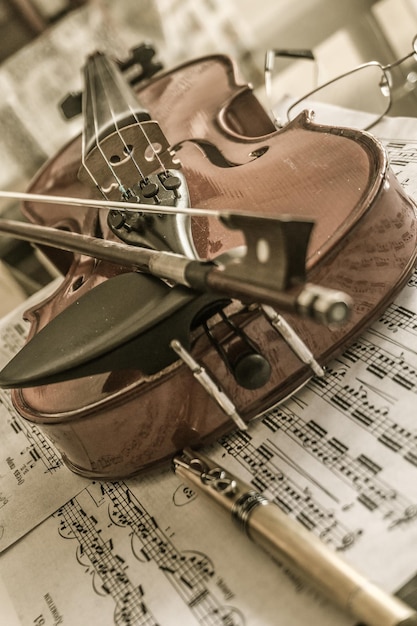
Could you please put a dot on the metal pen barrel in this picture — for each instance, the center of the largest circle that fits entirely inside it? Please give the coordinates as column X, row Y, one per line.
column 288, row 542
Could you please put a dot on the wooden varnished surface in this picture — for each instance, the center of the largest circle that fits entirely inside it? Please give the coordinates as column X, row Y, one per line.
column 364, row 243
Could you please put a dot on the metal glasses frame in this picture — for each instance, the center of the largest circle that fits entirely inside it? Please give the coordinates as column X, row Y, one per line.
column 385, row 83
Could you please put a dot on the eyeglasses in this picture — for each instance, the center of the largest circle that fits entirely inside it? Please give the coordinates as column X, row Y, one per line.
column 367, row 88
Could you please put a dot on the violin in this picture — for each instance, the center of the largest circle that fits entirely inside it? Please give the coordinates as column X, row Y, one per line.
column 124, row 367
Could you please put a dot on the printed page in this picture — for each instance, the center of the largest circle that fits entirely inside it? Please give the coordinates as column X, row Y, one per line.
column 34, row 481
column 340, row 457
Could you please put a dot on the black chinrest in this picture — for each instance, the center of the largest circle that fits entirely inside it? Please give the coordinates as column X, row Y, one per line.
column 126, row 322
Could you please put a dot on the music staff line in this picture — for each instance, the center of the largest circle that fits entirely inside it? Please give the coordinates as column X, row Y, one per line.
column 401, row 153
column 352, row 400
column 399, row 317
column 188, row 572
column 108, row 566
column 39, row 449
column 381, row 363
column 360, row 473
column 402, row 159
column 270, row 479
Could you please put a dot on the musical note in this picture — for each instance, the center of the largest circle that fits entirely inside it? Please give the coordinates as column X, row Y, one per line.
column 39, row 448
column 398, row 317
column 354, row 402
column 190, row 572
column 107, row 565
column 340, row 457
column 403, row 157
column 268, row 477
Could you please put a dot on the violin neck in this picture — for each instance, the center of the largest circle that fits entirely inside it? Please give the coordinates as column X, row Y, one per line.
column 122, row 145
column 109, row 102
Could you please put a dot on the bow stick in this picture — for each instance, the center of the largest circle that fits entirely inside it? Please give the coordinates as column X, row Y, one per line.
column 271, row 271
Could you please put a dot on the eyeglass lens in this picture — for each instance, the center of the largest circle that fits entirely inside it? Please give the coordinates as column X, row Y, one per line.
column 365, row 90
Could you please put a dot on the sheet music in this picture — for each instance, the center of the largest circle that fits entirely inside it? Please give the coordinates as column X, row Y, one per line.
column 27, row 459
column 340, row 456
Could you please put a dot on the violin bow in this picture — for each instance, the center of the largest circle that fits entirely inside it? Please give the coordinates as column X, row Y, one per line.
column 270, row 272
column 272, row 269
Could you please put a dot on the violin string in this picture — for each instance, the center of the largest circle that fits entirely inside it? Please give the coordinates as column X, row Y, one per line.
column 84, row 150
column 135, row 207
column 127, row 149
column 96, row 133
column 141, row 125
column 150, row 144
column 91, row 175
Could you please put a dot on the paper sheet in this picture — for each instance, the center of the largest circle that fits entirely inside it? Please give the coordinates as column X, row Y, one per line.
column 27, row 459
column 340, row 456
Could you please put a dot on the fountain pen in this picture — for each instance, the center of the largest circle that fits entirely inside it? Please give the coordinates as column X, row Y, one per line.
column 288, row 542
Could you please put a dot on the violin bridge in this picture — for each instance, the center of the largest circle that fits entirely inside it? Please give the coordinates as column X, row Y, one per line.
column 293, row 340
column 201, row 375
column 129, row 154
column 122, row 145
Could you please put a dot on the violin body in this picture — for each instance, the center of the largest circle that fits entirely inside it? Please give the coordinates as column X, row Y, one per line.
column 116, row 423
